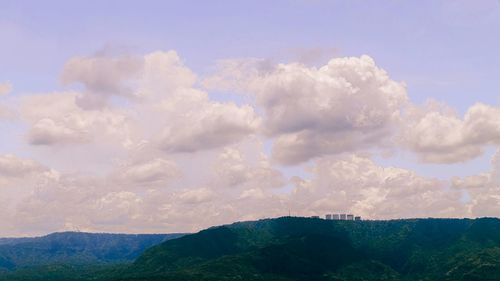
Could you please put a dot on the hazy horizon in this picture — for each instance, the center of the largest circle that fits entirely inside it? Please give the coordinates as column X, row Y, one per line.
column 174, row 116
column 160, row 233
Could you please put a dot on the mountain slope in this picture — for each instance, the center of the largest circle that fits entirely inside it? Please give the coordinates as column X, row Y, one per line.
column 76, row 248
column 314, row 249
column 306, row 249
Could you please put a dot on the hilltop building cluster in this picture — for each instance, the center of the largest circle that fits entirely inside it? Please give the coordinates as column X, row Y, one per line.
column 342, row 217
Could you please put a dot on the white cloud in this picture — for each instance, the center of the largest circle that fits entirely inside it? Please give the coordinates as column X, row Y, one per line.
column 85, row 203
column 349, row 105
column 196, row 196
column 5, row 88
column 5, row 112
column 438, row 135
column 483, row 190
column 116, row 208
column 151, row 76
column 103, row 77
column 346, row 105
column 106, row 75
column 18, row 177
column 13, row 166
column 253, row 194
column 166, row 156
column 236, row 170
column 472, row 182
column 143, row 195
column 61, row 121
column 152, row 172
column 192, row 122
column 238, row 75
column 46, row 131
column 356, row 184
column 170, row 111
column 346, row 183
column 164, row 73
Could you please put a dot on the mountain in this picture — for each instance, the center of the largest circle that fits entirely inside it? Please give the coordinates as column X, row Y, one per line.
column 293, row 248
column 307, row 249
column 76, row 248
column 11, row 241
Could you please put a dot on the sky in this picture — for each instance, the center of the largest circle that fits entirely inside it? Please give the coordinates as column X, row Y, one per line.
column 174, row 116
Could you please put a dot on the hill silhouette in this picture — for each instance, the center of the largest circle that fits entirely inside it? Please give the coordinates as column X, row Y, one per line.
column 292, row 248
column 76, row 248
column 300, row 249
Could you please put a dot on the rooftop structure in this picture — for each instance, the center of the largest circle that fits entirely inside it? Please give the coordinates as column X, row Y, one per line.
column 349, row 217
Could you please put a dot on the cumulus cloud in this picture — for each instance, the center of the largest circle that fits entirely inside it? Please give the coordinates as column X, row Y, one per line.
column 189, row 120
column 356, row 184
column 193, row 122
column 170, row 110
column 348, row 105
column 13, row 166
column 345, row 105
column 5, row 88
column 18, row 176
column 187, row 161
column 234, row 169
column 46, row 131
column 238, row 75
column 483, row 190
column 105, row 75
column 135, row 77
column 116, row 208
column 348, row 183
column 102, row 77
column 438, row 135
column 61, row 121
column 163, row 74
column 151, row 172
column 70, row 203
column 143, row 195
column 196, row 196
column 88, row 203
column 472, row 182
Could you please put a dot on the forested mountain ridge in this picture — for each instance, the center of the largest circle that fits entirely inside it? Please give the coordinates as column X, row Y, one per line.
column 308, row 249
column 76, row 248
column 293, row 248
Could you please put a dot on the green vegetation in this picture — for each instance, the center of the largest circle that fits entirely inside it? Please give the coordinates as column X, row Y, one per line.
column 75, row 248
column 296, row 249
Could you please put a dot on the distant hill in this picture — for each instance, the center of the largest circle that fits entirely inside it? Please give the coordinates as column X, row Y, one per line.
column 292, row 248
column 75, row 248
column 11, row 241
column 308, row 249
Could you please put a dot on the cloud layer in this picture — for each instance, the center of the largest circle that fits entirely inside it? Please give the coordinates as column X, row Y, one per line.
column 144, row 144
column 346, row 105
column 439, row 135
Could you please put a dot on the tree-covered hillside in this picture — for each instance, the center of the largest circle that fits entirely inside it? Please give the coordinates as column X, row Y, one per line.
column 75, row 248
column 315, row 249
column 300, row 249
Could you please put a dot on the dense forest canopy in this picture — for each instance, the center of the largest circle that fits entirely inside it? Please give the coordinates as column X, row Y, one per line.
column 294, row 248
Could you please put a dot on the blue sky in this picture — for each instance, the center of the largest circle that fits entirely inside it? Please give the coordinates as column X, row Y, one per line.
column 444, row 50
column 441, row 50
